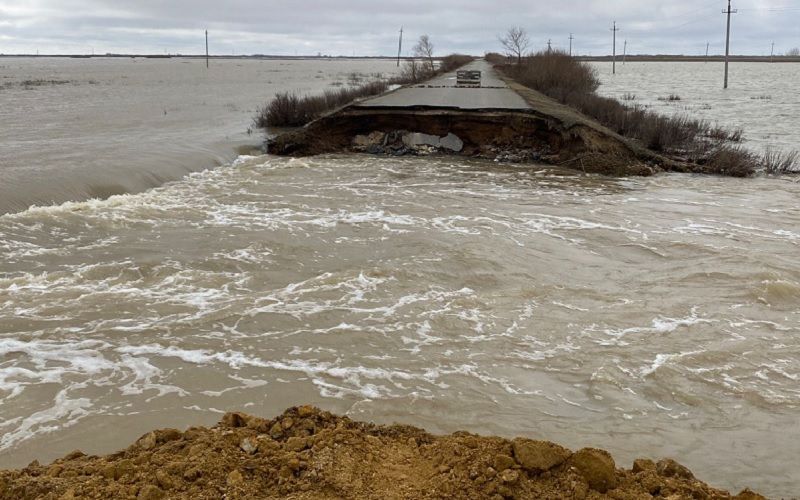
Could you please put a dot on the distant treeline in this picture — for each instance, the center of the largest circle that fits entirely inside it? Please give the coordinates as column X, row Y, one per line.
column 202, row 56
column 680, row 58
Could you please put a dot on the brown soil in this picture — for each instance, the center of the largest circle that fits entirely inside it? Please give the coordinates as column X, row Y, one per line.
column 559, row 139
column 308, row 453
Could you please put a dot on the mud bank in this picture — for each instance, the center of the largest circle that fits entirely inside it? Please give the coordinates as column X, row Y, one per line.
column 308, row 453
column 547, row 133
column 517, row 136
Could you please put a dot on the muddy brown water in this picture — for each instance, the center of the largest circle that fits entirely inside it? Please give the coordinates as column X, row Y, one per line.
column 650, row 317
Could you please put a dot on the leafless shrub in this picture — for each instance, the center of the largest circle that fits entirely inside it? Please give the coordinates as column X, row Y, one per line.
column 557, row 74
column 424, row 50
column 495, row 58
column 732, row 161
column 777, row 162
column 670, row 98
column 290, row 110
column 453, row 62
column 414, row 71
column 725, row 135
column 355, row 78
column 516, row 42
column 627, row 96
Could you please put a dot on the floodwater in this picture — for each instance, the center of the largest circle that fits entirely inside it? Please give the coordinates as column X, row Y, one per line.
column 76, row 129
column 762, row 98
column 651, row 317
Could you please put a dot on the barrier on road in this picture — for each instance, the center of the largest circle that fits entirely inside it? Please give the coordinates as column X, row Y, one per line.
column 472, row 78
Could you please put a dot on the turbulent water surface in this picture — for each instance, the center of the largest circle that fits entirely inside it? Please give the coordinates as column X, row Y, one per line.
column 651, row 317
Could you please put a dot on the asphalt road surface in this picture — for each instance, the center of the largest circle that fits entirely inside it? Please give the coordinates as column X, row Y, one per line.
column 442, row 92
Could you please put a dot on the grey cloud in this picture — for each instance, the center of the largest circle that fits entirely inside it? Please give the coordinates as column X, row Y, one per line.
column 370, row 27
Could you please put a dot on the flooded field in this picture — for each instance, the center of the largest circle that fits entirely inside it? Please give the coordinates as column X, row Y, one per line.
column 650, row 317
column 76, row 129
column 761, row 99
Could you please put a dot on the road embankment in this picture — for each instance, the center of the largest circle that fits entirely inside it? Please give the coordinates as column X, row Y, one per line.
column 307, row 453
column 501, row 120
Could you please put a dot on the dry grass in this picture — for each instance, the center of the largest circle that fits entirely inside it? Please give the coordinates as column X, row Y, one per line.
column 776, row 162
column 291, row 110
column 453, row 62
column 558, row 75
column 732, row 161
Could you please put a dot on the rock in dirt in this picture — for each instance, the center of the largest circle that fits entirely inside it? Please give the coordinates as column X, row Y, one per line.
column 671, row 468
column 597, row 467
column 539, row 456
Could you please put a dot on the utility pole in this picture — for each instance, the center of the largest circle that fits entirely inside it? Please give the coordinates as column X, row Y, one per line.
column 549, row 46
column 772, row 53
column 728, row 40
column 625, row 52
column 400, row 47
column 206, row 49
column 708, row 44
column 614, row 53
column 571, row 38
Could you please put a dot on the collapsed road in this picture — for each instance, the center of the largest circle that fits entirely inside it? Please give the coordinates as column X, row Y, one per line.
column 498, row 119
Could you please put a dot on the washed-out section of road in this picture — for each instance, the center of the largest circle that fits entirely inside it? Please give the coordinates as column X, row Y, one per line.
column 500, row 120
column 443, row 92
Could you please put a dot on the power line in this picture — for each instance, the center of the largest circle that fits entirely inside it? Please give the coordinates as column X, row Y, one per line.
column 614, row 53
column 400, row 47
column 625, row 52
column 705, row 6
column 728, row 40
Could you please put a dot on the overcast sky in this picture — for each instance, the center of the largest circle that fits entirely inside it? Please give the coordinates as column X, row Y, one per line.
column 345, row 27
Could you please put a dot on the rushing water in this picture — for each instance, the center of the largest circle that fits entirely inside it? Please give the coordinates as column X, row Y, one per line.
column 651, row 317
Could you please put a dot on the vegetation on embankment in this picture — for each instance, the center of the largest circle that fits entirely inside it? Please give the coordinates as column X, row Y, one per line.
column 681, row 138
column 288, row 109
column 308, row 453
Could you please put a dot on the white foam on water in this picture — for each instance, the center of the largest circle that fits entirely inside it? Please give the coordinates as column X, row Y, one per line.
column 64, row 413
column 660, row 325
column 52, row 361
column 380, row 279
column 663, row 359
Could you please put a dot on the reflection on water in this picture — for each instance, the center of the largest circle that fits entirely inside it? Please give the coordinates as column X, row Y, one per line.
column 652, row 317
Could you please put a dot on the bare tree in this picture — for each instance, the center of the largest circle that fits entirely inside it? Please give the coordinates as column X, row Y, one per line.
column 794, row 52
column 516, row 42
column 424, row 50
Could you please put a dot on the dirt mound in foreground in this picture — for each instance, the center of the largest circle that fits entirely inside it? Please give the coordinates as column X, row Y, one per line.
column 308, row 453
